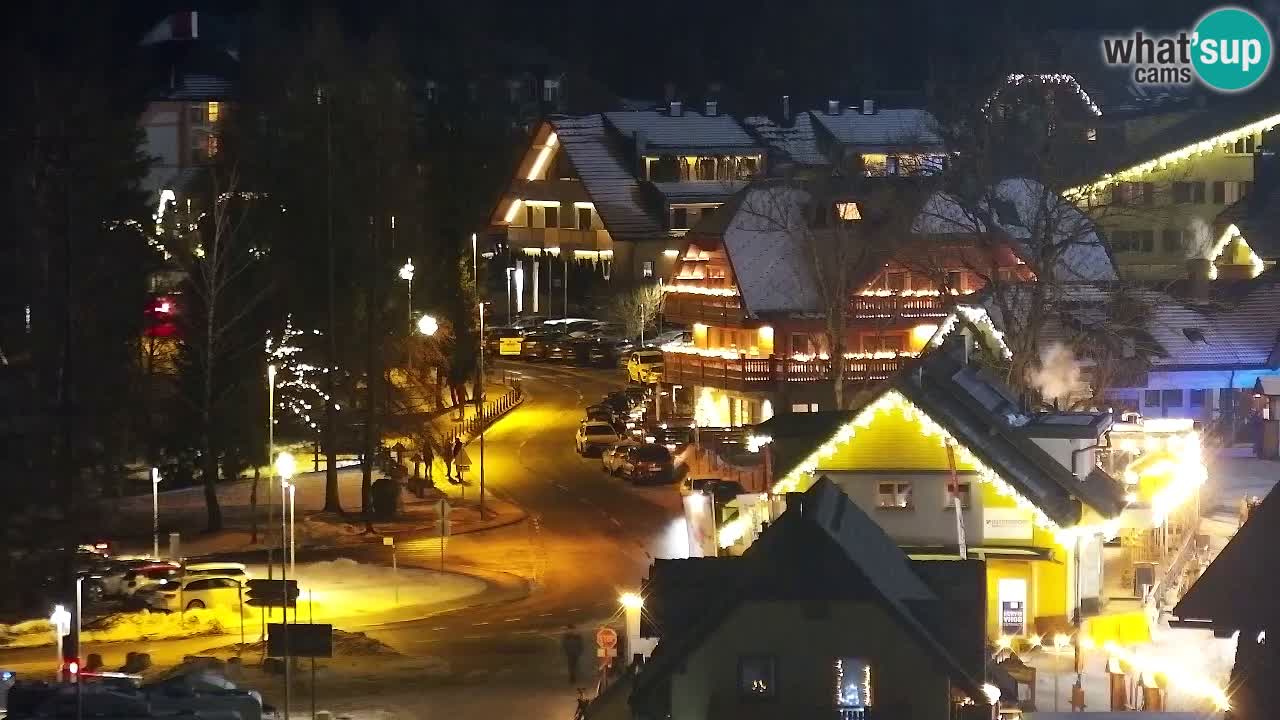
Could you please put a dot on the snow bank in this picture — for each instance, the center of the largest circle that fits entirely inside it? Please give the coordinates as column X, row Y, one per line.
column 127, row 627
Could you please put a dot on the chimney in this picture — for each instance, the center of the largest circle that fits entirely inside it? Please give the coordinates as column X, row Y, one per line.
column 786, row 108
column 676, row 109
column 868, row 107
column 1198, row 270
column 713, row 108
column 833, row 107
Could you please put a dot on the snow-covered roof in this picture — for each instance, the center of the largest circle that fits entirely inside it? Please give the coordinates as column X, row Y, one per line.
column 1179, row 335
column 797, row 144
column 763, row 242
column 885, row 129
column 606, row 177
column 689, row 130
column 1023, row 209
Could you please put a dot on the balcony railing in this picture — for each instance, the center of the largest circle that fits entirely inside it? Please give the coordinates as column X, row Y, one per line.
column 867, row 307
column 688, row 308
column 757, row 373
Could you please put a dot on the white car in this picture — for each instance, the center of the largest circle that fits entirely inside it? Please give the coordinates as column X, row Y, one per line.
column 138, row 579
column 594, row 436
column 193, row 593
column 611, row 459
column 221, row 569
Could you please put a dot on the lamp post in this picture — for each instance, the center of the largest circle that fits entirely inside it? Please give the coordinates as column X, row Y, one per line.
column 406, row 274
column 271, row 453
column 155, row 512
column 286, row 466
column 480, row 405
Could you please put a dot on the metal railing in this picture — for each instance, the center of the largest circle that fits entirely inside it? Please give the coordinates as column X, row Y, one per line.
column 866, row 307
column 744, row 373
column 489, row 413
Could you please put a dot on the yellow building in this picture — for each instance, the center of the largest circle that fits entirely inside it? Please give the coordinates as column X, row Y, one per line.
column 941, row 438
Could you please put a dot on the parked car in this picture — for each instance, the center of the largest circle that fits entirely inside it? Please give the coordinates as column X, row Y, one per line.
column 722, row 490
column 581, row 329
column 594, row 436
column 535, row 345
column 600, row 413
column 113, row 579
column 645, row 367
column 639, row 394
column 648, row 463
column 559, row 350
column 220, row 569
column 528, row 322
column 672, row 437
column 613, row 456
column 139, row 579
column 668, row 337
column 192, row 593
column 619, row 401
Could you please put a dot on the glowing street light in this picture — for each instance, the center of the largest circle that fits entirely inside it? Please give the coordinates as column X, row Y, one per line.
column 286, row 466
column 428, row 325
column 631, row 601
column 406, row 274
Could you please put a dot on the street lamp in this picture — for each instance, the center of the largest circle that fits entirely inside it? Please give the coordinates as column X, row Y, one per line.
column 285, row 468
column 155, row 512
column 271, row 453
column 406, row 274
column 428, row 325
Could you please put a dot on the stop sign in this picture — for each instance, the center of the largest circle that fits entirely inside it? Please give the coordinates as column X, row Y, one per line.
column 607, row 637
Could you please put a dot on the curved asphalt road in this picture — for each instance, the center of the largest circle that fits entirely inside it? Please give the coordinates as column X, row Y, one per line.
column 587, row 538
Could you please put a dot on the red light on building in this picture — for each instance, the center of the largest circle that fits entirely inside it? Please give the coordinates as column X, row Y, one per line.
column 161, row 316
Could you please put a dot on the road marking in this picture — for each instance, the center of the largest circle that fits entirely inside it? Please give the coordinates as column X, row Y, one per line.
column 474, row 637
column 485, row 622
column 442, row 627
column 524, row 632
column 545, row 615
column 513, row 620
column 614, row 520
column 573, row 610
column 561, row 487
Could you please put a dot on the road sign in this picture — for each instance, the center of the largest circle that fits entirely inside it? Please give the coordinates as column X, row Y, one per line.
column 388, row 540
column 272, row 593
column 509, row 345
column 463, row 460
column 607, row 637
column 310, row 640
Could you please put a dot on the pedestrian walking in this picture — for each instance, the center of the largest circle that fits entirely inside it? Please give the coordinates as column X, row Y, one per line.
column 428, row 458
column 454, row 453
column 571, row 643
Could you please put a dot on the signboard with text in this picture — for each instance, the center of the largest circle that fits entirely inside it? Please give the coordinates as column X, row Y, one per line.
column 1006, row 524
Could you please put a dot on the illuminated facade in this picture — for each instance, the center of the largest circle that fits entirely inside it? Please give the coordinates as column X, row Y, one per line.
column 618, row 190
column 760, row 342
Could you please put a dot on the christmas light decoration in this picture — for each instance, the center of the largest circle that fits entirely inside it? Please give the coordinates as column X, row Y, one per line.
column 695, row 290
column 1233, row 233
column 1197, row 148
column 976, row 316
column 296, row 391
column 1019, row 79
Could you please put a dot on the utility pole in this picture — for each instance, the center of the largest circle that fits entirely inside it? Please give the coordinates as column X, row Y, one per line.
column 480, row 406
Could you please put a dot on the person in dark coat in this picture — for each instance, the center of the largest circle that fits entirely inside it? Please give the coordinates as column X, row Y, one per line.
column 454, row 453
column 571, row 644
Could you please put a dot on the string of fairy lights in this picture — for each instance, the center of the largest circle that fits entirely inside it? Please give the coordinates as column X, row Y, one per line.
column 296, row 388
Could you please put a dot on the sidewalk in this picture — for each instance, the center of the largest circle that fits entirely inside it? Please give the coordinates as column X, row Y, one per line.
column 129, row 519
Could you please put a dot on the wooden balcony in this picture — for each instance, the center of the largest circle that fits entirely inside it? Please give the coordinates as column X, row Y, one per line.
column 759, row 373
column 718, row 310
column 886, row 307
column 567, row 239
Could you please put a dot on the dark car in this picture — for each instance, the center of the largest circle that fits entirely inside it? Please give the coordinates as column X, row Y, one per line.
column 639, row 394
column 618, row 401
column 559, row 349
column 536, row 345
column 648, row 463
column 581, row 355
column 672, row 437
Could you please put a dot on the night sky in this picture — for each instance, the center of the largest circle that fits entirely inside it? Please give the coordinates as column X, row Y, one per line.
column 810, row 47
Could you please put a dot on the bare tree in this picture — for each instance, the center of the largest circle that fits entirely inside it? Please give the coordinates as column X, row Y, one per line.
column 637, row 309
column 217, row 256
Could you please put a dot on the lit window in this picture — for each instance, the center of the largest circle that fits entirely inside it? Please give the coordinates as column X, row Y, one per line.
column 895, row 495
column 214, row 112
column 959, row 492
column 212, row 145
column 1091, row 134
column 646, row 270
column 757, row 677
column 848, row 211
column 853, row 683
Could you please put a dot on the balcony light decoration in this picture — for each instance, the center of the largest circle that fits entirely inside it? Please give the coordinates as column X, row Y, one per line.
column 880, row 292
column 696, row 290
column 544, row 153
column 1232, row 233
column 1183, row 153
column 511, row 211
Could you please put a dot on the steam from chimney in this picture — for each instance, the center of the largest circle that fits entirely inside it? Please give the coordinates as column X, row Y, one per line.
column 1199, row 240
column 1058, row 377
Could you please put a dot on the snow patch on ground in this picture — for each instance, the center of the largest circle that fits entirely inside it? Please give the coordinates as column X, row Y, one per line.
column 126, row 627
